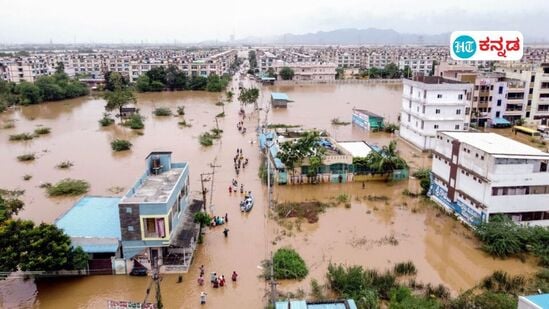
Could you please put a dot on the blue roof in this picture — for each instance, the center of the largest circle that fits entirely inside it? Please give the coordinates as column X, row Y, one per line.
column 280, row 96
column 92, row 216
column 542, row 300
column 268, row 78
column 502, row 121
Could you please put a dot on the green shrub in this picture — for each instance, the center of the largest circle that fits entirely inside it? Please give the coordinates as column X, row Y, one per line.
column 162, row 112
column 135, row 122
column 181, row 110
column 405, row 268
column 390, row 128
column 21, row 137
column 342, row 198
column 27, row 177
column 121, row 145
column 216, row 133
column 65, row 165
column 205, row 139
column 337, row 122
column 68, row 187
column 106, row 121
column 42, row 131
column 26, row 157
column 203, row 218
column 220, row 115
column 287, row 264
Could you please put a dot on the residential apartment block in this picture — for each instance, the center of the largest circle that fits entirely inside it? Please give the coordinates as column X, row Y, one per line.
column 130, row 63
column 478, row 175
column 431, row 104
column 306, row 71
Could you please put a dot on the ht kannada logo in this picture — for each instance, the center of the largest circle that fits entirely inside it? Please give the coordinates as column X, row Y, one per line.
column 464, row 46
column 487, row 45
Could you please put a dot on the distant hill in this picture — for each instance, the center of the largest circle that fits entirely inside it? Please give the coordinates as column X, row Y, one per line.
column 353, row 37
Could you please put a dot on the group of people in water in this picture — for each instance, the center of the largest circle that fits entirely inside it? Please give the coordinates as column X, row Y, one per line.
column 240, row 127
column 239, row 161
column 216, row 281
column 234, row 187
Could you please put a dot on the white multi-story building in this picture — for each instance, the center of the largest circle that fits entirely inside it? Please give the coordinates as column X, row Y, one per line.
column 478, row 175
column 431, row 104
column 416, row 65
column 318, row 71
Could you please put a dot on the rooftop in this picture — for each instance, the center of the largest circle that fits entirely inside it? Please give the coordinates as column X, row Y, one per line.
column 280, row 96
column 356, row 148
column 154, row 188
column 328, row 304
column 93, row 223
column 496, row 144
column 435, row 80
column 367, row 112
column 542, row 300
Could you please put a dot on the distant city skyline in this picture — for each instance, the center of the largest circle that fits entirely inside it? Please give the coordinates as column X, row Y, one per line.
column 139, row 21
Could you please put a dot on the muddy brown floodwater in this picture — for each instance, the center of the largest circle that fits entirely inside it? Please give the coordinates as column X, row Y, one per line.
column 443, row 251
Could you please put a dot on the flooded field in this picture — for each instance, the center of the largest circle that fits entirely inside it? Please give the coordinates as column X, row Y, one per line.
column 443, row 250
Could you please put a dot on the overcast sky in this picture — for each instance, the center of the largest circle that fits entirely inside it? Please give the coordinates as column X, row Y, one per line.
column 133, row 21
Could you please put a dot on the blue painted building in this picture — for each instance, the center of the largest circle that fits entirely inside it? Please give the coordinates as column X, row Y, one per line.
column 279, row 99
column 93, row 224
column 367, row 120
column 155, row 217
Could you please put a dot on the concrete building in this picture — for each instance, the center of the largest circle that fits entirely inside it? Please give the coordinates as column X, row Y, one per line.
column 431, row 104
column 478, row 175
column 417, row 65
column 308, row 71
column 156, row 218
column 536, row 78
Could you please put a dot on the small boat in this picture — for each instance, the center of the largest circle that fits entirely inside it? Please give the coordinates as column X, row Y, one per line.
column 247, row 204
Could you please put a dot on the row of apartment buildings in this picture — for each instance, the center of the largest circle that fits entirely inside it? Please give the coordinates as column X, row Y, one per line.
column 131, row 63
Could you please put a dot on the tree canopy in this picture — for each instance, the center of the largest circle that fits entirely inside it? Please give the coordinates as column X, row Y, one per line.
column 293, row 153
column 286, row 73
column 248, row 96
column 26, row 246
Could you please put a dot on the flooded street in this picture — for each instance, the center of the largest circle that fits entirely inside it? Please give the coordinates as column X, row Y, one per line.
column 442, row 249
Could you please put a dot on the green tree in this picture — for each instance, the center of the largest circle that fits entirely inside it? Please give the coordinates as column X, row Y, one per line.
column 143, row 83
column 402, row 298
column 391, row 71
column 385, row 160
column 252, row 59
column 157, row 74
column 340, row 73
column 115, row 80
column 249, row 96
column 198, row 83
column 271, row 72
column 286, row 73
column 156, row 86
column 60, row 69
column 175, row 78
column 288, row 264
column 118, row 98
column 407, row 72
column 500, row 237
column 30, row 93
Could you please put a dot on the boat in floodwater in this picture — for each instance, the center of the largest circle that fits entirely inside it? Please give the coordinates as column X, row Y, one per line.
column 247, row 204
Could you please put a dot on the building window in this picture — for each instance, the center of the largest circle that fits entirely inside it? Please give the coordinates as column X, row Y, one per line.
column 130, row 228
column 456, row 127
column 439, row 96
column 460, row 96
column 499, row 102
column 497, row 114
column 409, row 118
column 437, row 111
column 128, row 210
column 436, row 126
column 500, row 90
column 458, row 111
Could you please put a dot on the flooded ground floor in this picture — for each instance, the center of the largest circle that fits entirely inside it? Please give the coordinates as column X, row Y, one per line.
column 373, row 232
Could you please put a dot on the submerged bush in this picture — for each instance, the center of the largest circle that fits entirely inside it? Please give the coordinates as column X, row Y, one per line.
column 181, row 110
column 26, row 157
column 162, row 112
column 65, row 165
column 405, row 268
column 287, row 264
column 68, row 187
column 121, row 145
column 135, row 122
column 106, row 121
column 42, row 131
column 21, row 137
column 206, row 139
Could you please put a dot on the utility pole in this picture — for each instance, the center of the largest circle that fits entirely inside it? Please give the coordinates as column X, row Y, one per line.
column 273, row 282
column 155, row 279
column 203, row 189
column 213, row 166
